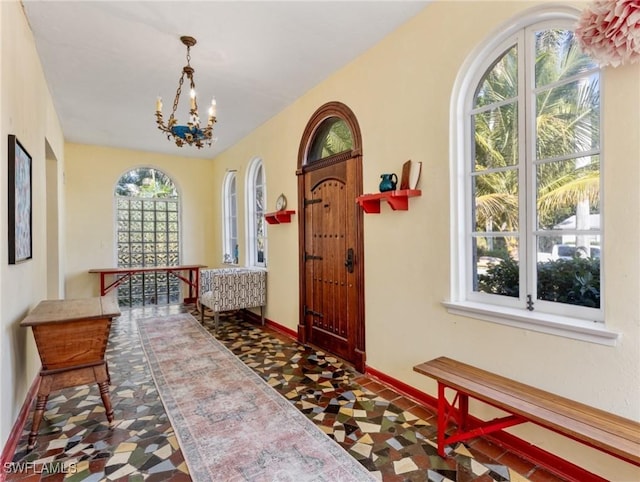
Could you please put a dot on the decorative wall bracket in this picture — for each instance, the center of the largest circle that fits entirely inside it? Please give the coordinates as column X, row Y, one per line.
column 397, row 200
column 279, row 217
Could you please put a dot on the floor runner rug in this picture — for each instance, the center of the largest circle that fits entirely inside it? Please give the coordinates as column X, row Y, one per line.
column 232, row 426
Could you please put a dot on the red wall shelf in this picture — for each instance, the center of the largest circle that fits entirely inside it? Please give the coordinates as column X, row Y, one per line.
column 279, row 217
column 397, row 200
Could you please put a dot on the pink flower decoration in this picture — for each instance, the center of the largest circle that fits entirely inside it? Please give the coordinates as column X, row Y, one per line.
column 609, row 31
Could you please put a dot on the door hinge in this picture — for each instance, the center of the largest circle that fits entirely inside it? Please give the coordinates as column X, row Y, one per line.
column 312, row 201
column 308, row 256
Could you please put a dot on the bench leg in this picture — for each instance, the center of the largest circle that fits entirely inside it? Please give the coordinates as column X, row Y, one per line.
column 463, row 411
column 442, row 418
column 447, row 410
column 262, row 315
column 461, row 416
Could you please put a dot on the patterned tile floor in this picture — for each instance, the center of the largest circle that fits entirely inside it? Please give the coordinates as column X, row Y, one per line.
column 389, row 434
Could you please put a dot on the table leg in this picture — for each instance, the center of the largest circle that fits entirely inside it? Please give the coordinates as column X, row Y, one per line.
column 106, row 401
column 197, row 285
column 102, row 377
column 41, row 403
column 191, row 281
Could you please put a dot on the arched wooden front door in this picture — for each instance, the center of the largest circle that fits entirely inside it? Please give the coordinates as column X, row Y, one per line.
column 331, row 234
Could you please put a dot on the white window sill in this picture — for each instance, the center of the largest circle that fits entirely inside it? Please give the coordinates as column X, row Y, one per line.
column 577, row 329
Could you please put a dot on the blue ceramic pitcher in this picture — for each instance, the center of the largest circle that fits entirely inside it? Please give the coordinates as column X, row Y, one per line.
column 388, row 182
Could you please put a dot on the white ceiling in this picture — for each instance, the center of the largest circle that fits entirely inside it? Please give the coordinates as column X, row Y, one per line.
column 107, row 61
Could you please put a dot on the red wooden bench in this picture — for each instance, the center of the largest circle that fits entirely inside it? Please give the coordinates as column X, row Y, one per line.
column 607, row 432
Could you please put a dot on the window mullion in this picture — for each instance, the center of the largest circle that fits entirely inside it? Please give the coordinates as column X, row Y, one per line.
column 529, row 196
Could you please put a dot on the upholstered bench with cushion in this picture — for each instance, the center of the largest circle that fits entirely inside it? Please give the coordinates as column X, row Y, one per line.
column 229, row 289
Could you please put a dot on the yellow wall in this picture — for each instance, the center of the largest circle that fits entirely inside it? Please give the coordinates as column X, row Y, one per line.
column 91, row 176
column 400, row 91
column 26, row 110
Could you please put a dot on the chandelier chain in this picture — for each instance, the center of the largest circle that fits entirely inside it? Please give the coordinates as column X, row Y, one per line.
column 177, row 97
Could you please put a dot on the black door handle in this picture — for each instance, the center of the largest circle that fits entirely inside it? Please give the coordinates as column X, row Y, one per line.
column 349, row 261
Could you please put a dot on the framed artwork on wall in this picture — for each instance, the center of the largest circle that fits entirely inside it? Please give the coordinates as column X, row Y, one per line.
column 20, row 202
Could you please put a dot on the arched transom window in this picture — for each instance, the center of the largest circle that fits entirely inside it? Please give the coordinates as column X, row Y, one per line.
column 332, row 136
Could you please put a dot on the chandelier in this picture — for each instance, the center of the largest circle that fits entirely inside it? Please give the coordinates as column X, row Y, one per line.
column 191, row 133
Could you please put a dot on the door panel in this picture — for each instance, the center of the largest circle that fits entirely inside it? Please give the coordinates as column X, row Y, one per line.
column 331, row 297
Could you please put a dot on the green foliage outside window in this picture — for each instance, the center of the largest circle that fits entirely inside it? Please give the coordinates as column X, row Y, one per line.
column 333, row 136
column 573, row 281
column 146, row 182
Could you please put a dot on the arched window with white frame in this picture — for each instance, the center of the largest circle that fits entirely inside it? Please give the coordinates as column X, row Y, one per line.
column 526, row 184
column 255, row 205
column 230, row 252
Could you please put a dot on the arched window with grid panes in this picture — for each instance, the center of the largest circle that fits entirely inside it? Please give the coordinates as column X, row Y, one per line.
column 230, row 252
column 255, row 204
column 526, row 185
column 147, row 207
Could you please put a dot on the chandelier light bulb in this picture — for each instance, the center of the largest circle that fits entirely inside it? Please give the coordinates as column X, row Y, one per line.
column 212, row 109
column 192, row 94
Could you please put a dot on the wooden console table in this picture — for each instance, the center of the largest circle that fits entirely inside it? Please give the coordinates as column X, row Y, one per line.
column 123, row 274
column 71, row 336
